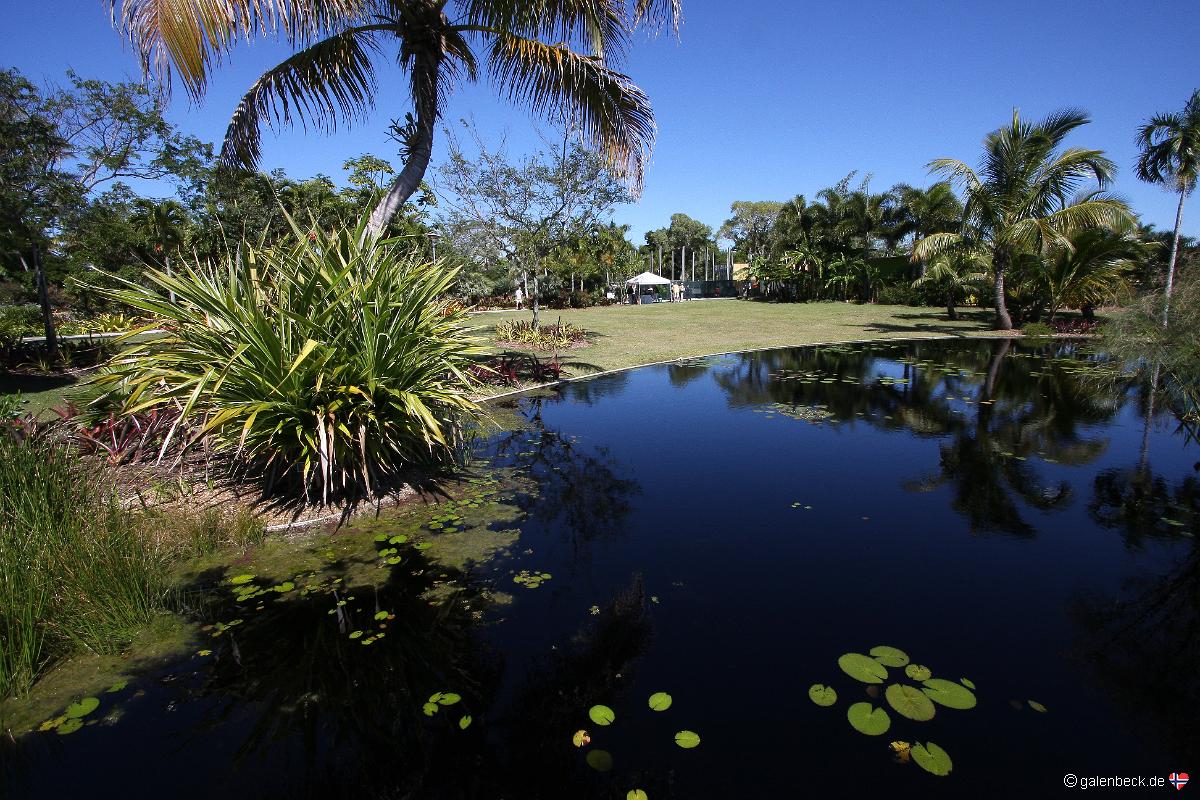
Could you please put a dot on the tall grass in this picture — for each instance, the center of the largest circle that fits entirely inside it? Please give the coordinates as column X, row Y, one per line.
column 74, row 573
column 330, row 365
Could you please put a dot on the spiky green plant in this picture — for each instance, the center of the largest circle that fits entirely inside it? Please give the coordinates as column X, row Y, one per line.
column 328, row 365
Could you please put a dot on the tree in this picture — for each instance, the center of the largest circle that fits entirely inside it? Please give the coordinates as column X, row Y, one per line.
column 750, row 226
column 1023, row 198
column 955, row 272
column 1170, row 145
column 522, row 211
column 332, row 76
column 684, row 235
column 164, row 224
column 1094, row 268
column 921, row 212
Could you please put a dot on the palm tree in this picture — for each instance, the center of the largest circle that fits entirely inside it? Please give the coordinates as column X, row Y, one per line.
column 921, row 212
column 956, row 271
column 1023, row 198
column 1170, row 156
column 1093, row 269
column 163, row 224
column 331, row 78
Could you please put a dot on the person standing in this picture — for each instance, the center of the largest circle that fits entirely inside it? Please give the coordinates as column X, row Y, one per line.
column 519, row 296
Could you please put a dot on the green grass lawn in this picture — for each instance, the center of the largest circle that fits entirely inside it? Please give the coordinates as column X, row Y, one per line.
column 626, row 336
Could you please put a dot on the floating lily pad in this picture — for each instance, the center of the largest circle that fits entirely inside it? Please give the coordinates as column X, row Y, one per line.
column 430, row 709
column 932, row 758
column 862, row 668
column 949, row 694
column 1036, row 706
column 238, row 580
column 580, row 738
column 687, row 739
column 119, row 686
column 967, row 683
column 464, row 722
column 660, row 701
column 398, row 539
column 69, row 726
column 286, row 586
column 889, row 656
column 908, row 701
column 356, row 634
column 448, row 699
column 81, row 708
column 918, row 672
column 866, row 718
column 822, row 695
column 602, row 715
column 636, row 794
column 600, row 760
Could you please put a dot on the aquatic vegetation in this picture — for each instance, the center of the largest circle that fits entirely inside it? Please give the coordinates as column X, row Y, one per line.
column 948, row 694
column 660, row 701
column 862, row 668
column 822, row 695
column 531, row 580
column 908, row 701
column 1036, row 706
column 687, row 739
column 866, row 718
column 600, row 760
column 932, row 758
column 636, row 794
column 889, row 656
column 602, row 715
column 919, row 672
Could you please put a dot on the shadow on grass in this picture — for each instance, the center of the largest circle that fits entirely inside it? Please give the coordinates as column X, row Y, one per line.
column 930, row 322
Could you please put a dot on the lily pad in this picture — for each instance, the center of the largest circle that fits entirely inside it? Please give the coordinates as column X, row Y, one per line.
column 68, row 727
column 932, row 758
column 119, row 686
column 381, row 615
column 1036, row 706
column 862, row 668
column 448, row 699
column 889, row 656
column 918, row 672
column 600, row 760
column 967, row 683
column 910, row 702
column 866, row 718
column 687, row 739
column 602, row 715
column 660, row 701
column 81, row 708
column 238, row 580
column 430, row 709
column 580, row 738
column 949, row 694
column 822, row 695
column 464, row 722
column 636, row 794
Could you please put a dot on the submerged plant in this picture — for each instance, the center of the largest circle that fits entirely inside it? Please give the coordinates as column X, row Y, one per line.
column 329, row 365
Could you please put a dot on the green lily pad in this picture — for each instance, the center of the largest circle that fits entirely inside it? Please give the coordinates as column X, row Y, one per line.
column 464, row 722
column 430, row 709
column 949, row 694
column 355, row 634
column 862, row 668
column 600, row 760
column 908, row 701
column 889, row 656
column 918, row 672
column 380, row 615
column 636, row 794
column 602, row 715
column 81, row 708
column 865, row 718
column 1036, row 706
column 687, row 739
column 68, row 727
column 932, row 758
column 284, row 587
column 399, row 538
column 448, row 699
column 660, row 701
column 238, row 580
column 967, row 683
column 822, row 695
column 119, row 686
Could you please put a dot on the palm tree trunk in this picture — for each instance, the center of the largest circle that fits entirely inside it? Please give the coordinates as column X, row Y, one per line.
column 43, row 291
column 421, row 150
column 1171, row 262
column 1000, row 264
column 951, row 314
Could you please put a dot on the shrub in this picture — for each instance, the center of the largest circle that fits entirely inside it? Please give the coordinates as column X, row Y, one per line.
column 543, row 337
column 1037, row 329
column 898, row 295
column 325, row 367
column 18, row 321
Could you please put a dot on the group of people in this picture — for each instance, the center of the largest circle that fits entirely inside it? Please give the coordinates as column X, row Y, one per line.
column 678, row 293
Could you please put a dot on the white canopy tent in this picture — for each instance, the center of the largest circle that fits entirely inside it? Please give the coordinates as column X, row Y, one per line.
column 648, row 279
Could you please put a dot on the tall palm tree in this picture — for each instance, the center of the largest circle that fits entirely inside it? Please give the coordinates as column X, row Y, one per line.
column 1095, row 268
column 1170, row 156
column 163, row 224
column 331, row 78
column 1023, row 198
column 921, row 212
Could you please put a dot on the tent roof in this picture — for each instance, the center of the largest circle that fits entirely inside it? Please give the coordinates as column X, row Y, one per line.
column 648, row 279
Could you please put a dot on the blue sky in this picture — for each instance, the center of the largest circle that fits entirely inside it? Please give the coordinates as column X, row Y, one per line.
column 766, row 100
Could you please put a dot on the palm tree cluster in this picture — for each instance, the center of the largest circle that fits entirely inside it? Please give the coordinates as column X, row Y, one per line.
column 559, row 58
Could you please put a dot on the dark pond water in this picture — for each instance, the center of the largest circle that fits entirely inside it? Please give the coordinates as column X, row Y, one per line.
column 724, row 530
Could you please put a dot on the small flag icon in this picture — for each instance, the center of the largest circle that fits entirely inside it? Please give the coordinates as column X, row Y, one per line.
column 1178, row 779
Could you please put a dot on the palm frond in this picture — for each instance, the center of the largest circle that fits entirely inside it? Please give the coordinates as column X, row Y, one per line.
column 333, row 78
column 600, row 25
column 933, row 245
column 955, row 171
column 613, row 114
column 190, row 37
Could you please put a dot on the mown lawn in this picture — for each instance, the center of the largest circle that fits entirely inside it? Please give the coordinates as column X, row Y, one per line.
column 625, row 336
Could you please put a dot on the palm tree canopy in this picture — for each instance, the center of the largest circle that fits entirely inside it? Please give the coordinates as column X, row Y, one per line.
column 1170, row 145
column 556, row 57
